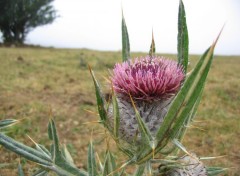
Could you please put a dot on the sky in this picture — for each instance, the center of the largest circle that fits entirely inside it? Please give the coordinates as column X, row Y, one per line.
column 96, row 24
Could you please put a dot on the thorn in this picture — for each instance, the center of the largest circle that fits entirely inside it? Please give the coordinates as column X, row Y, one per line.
column 179, row 145
column 189, row 73
column 192, row 126
column 92, row 112
column 18, row 120
column 153, row 148
column 199, row 121
column 213, row 157
column 99, row 161
column 91, row 137
column 135, row 136
column 89, row 68
column 32, row 140
column 108, row 97
column 107, row 142
column 112, row 90
column 122, row 9
column 50, row 113
column 86, row 123
column 216, row 40
column 132, row 101
column 106, row 79
column 19, row 160
column 121, row 167
column 152, row 35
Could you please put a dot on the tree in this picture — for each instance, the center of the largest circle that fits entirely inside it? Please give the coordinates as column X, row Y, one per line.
column 19, row 17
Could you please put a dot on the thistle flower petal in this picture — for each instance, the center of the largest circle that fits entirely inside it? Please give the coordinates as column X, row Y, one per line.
column 147, row 78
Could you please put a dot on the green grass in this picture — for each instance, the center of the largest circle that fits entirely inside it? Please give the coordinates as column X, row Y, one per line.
column 36, row 83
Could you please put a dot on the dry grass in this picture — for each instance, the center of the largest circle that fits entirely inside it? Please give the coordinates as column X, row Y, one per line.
column 35, row 81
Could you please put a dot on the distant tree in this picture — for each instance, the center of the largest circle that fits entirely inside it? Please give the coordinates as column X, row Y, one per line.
column 19, row 17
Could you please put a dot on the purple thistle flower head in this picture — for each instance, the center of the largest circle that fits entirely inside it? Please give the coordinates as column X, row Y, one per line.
column 147, row 78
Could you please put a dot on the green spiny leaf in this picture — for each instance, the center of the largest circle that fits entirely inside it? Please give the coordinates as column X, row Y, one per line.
column 62, row 166
column 179, row 136
column 122, row 172
column 100, row 100
column 125, row 41
column 140, row 170
column 182, row 37
column 169, row 148
column 67, row 170
column 7, row 122
column 100, row 165
column 166, row 161
column 40, row 172
column 149, row 168
column 125, row 150
column 20, row 170
column 145, row 133
column 24, row 151
column 211, row 157
column 67, row 155
column 116, row 116
column 188, row 94
column 110, row 165
column 184, row 94
column 41, row 148
column 44, row 150
column 3, row 165
column 180, row 146
column 54, row 137
column 194, row 93
column 50, row 132
column 92, row 167
column 182, row 104
column 212, row 171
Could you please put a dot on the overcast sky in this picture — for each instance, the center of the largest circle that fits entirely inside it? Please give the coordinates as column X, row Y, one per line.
column 96, row 24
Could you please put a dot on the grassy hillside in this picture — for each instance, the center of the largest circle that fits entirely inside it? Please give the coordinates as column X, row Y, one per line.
column 36, row 84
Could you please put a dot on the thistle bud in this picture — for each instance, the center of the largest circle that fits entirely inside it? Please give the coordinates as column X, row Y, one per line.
column 191, row 166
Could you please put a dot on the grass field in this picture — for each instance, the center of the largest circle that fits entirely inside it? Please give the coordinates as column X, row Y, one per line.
column 37, row 83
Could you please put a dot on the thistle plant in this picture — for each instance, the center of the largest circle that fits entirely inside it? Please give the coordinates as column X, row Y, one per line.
column 153, row 101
